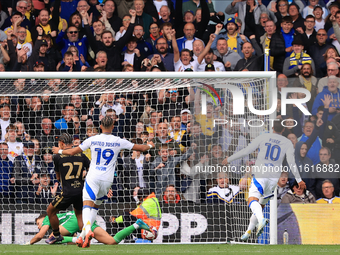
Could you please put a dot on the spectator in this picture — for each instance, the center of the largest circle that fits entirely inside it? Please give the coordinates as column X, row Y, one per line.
column 303, row 162
column 265, row 39
column 282, row 186
column 162, row 137
column 21, row 7
column 185, row 118
column 332, row 70
column 250, row 62
column 298, row 21
column 207, row 57
column 279, row 9
column 182, row 59
column 165, row 15
column 243, row 9
column 163, row 167
column 223, row 192
column 143, row 46
column 256, row 29
column 132, row 55
column 68, row 113
column 297, row 195
column 101, row 62
column 26, row 173
column 71, row 63
column 166, row 57
column 317, row 50
column 228, row 56
column 46, row 190
column 234, row 39
column 171, row 195
column 143, row 18
column 333, row 8
column 133, row 169
column 49, row 26
column 47, row 156
column 23, row 40
column 155, row 33
column 327, row 164
column 328, row 194
column 319, row 20
column 281, row 43
column 187, row 40
column 175, row 131
column 6, row 169
column 331, row 55
column 307, row 81
column 293, row 64
column 14, row 147
column 332, row 90
column 109, row 9
column 5, row 115
column 331, row 136
column 113, row 49
column 122, row 30
column 72, row 39
column 309, row 9
column 309, row 35
column 39, row 54
column 195, row 176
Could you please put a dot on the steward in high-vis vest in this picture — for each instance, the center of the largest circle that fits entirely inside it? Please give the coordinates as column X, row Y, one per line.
column 149, row 211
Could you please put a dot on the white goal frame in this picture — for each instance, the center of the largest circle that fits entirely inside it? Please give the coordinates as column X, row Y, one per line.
column 269, row 75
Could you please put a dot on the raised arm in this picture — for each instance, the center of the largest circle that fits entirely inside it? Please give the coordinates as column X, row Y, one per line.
column 143, row 147
column 206, row 49
column 174, row 45
column 69, row 152
column 245, row 152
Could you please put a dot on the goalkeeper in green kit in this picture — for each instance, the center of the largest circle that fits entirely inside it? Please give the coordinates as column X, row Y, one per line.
column 69, row 226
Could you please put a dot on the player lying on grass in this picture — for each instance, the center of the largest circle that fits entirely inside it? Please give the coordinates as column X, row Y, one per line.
column 69, row 226
column 273, row 148
column 105, row 149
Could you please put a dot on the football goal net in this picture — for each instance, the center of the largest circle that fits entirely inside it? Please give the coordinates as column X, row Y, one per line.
column 194, row 119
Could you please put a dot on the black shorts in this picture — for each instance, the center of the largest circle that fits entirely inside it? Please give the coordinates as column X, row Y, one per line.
column 62, row 203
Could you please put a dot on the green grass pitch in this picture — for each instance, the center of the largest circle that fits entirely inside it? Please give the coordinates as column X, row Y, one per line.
column 206, row 249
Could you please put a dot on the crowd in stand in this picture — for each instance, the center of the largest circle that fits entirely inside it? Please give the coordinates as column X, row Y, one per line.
column 166, row 35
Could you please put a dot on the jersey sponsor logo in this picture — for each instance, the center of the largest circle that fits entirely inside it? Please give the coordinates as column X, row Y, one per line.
column 101, row 168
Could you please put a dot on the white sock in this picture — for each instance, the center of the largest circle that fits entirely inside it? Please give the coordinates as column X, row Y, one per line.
column 74, row 239
column 256, row 208
column 83, row 234
column 87, row 216
column 94, row 212
column 135, row 225
column 252, row 223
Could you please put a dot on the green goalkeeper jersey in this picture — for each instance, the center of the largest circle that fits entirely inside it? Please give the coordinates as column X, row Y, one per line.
column 69, row 221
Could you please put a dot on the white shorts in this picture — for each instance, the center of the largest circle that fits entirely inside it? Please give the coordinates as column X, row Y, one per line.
column 262, row 188
column 95, row 190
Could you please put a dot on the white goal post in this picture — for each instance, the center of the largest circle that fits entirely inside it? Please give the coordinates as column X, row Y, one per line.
column 196, row 218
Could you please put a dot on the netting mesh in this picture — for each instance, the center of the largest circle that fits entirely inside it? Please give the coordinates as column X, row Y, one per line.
column 198, row 203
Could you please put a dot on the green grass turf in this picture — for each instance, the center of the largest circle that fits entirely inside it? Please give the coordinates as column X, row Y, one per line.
column 172, row 249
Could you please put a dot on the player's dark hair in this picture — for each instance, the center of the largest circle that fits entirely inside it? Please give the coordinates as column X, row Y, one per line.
column 41, row 216
column 107, row 122
column 277, row 126
column 66, row 138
